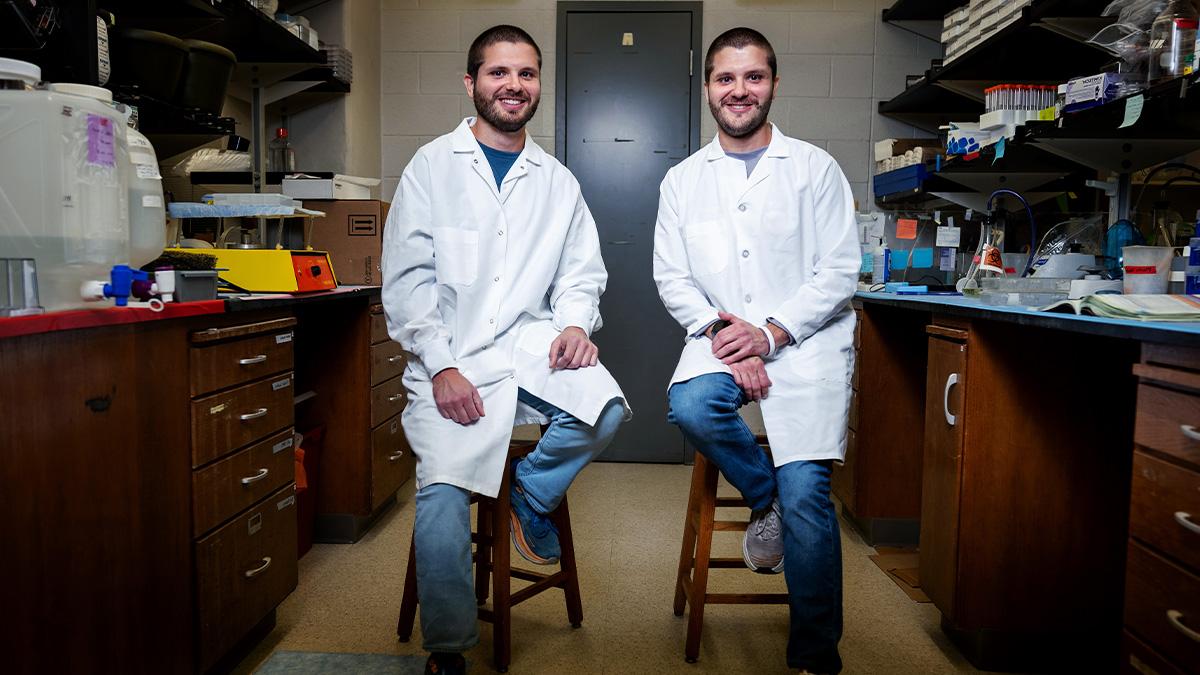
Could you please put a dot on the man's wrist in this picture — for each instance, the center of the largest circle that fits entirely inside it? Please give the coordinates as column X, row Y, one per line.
column 716, row 327
column 781, row 337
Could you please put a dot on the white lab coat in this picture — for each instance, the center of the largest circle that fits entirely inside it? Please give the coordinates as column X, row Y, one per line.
column 779, row 244
column 483, row 280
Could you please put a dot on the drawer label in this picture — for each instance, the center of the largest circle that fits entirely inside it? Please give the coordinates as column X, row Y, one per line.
column 281, row 384
column 281, row 446
column 283, row 337
column 283, row 504
column 255, row 523
column 218, row 408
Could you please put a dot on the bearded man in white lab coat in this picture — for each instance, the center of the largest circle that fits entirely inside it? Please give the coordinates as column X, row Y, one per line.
column 755, row 255
column 491, row 280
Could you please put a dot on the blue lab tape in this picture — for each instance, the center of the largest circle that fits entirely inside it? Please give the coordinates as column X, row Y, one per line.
column 893, row 286
column 913, row 290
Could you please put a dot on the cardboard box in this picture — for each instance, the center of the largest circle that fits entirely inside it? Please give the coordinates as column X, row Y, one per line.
column 352, row 233
column 338, row 187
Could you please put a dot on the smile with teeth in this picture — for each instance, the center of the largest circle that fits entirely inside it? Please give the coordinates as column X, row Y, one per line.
column 512, row 102
column 740, row 107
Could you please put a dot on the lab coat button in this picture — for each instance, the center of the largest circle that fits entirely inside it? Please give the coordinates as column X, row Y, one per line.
column 745, row 254
column 491, row 321
column 741, row 207
column 496, row 279
column 747, row 297
column 476, row 161
column 500, row 233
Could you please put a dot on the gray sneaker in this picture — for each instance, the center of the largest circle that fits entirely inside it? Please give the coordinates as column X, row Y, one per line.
column 762, row 547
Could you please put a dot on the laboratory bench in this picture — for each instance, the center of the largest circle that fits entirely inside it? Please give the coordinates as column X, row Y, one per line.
column 150, row 504
column 1046, row 464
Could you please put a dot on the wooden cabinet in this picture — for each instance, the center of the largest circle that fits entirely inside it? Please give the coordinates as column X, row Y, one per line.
column 879, row 484
column 1162, row 576
column 940, row 496
column 355, row 370
column 247, row 566
column 1025, row 476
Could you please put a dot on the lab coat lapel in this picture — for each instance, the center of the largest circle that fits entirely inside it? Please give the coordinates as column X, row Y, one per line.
column 464, row 143
column 776, row 148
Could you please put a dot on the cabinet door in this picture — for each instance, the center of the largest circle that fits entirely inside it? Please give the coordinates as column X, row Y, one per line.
column 942, row 471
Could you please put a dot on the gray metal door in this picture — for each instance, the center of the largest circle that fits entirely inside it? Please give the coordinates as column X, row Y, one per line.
column 627, row 113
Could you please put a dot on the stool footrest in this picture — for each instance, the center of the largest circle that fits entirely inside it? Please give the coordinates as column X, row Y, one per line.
column 557, row 580
column 727, row 563
column 730, row 526
column 746, row 598
column 728, row 502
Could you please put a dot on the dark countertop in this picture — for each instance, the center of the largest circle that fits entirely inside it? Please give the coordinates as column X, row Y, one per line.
column 1146, row 331
column 243, row 303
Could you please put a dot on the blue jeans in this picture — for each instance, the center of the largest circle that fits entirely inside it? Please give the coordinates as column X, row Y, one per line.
column 706, row 410
column 442, row 530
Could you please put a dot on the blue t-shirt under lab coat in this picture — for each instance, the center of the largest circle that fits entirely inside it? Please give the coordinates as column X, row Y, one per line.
column 501, row 162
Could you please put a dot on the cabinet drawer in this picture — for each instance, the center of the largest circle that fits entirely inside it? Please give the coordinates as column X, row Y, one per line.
column 378, row 325
column 391, row 460
column 230, row 363
column 1162, row 606
column 243, row 570
column 230, row 485
column 387, row 361
column 231, row 419
column 1169, row 421
column 1164, row 508
column 387, row 400
column 1138, row 659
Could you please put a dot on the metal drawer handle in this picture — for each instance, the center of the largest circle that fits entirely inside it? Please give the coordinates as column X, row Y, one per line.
column 1185, row 519
column 394, row 359
column 395, row 397
column 250, row 574
column 254, row 415
column 1176, row 619
column 950, row 382
column 252, row 360
column 262, row 473
column 1190, row 431
column 396, row 457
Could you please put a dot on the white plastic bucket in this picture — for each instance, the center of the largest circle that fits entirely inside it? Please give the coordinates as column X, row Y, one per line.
column 1147, row 269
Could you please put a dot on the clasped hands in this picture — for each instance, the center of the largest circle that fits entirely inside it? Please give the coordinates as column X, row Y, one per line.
column 741, row 345
column 457, row 399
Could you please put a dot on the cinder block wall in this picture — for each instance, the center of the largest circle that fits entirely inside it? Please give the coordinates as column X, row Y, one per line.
column 837, row 60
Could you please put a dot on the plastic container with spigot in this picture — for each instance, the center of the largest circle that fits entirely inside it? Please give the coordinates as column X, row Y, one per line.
column 64, row 187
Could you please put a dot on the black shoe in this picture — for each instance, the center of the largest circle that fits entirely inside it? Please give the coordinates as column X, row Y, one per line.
column 445, row 663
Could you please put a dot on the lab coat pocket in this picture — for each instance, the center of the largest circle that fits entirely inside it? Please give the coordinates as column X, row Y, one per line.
column 535, row 338
column 456, row 255
column 706, row 249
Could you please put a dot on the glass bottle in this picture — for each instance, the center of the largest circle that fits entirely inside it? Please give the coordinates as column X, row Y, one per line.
column 280, row 155
column 1172, row 40
column 989, row 257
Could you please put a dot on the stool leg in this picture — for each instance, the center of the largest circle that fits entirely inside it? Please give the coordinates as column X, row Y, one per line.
column 408, row 603
column 562, row 518
column 708, row 509
column 483, row 550
column 501, row 582
column 687, row 552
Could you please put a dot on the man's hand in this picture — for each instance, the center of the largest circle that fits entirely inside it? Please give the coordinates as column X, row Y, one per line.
column 457, row 399
column 572, row 349
column 751, row 375
column 738, row 341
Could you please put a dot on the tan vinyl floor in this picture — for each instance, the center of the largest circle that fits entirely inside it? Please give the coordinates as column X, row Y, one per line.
column 628, row 521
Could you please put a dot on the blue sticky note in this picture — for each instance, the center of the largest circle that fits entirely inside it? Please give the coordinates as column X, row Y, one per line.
column 899, row 260
column 922, row 257
column 999, row 149
column 868, row 263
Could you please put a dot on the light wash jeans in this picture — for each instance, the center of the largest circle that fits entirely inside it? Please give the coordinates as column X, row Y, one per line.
column 442, row 531
column 706, row 410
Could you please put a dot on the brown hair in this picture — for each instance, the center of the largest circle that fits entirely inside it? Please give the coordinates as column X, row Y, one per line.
column 739, row 38
column 489, row 37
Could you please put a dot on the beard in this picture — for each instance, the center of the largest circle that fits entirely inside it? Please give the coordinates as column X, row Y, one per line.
column 745, row 128
column 490, row 110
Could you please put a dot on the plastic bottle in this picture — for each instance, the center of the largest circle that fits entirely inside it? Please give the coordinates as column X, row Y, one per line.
column 1172, row 40
column 281, row 156
column 1192, row 275
column 147, row 212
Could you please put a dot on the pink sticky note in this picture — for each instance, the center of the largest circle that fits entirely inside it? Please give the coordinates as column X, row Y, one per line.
column 100, row 141
column 906, row 228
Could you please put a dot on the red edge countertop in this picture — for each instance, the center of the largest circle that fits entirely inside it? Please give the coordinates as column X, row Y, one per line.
column 109, row 316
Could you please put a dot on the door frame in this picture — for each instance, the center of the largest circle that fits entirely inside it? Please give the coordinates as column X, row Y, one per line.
column 696, row 9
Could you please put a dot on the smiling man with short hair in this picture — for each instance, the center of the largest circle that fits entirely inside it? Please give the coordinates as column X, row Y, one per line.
column 755, row 255
column 492, row 280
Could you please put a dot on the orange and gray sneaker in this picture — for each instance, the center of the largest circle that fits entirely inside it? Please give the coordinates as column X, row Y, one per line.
column 445, row 663
column 534, row 536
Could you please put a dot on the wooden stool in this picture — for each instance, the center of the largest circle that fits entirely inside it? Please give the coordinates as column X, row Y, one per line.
column 492, row 555
column 691, row 583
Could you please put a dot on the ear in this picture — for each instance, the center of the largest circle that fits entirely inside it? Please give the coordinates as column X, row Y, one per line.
column 469, row 83
column 775, row 87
